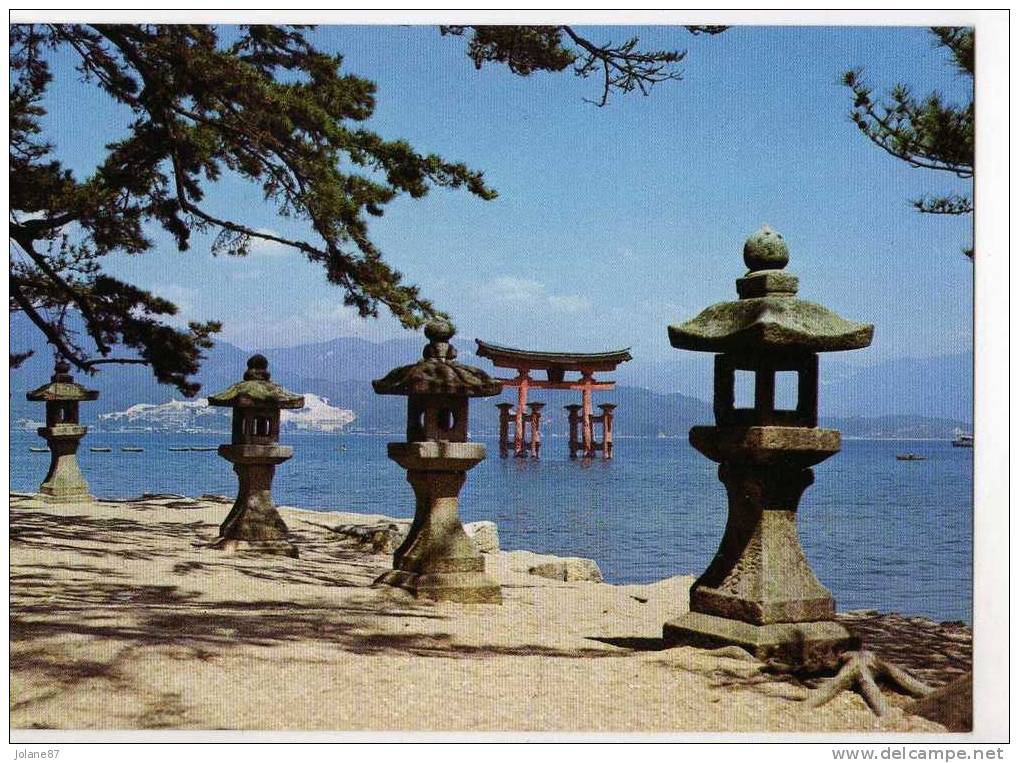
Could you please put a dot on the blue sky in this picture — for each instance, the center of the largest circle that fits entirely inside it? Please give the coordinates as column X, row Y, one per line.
column 611, row 223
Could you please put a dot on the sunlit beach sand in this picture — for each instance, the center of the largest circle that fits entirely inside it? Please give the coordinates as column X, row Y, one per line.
column 122, row 619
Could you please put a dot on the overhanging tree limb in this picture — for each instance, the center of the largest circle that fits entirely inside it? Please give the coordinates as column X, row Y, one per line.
column 268, row 107
column 53, row 336
column 926, row 133
column 24, row 241
column 527, row 49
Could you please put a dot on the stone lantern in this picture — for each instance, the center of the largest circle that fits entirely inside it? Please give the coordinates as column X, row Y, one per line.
column 253, row 523
column 64, row 481
column 437, row 560
column 759, row 591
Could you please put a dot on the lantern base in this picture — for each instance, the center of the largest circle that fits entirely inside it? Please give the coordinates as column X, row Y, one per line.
column 256, row 547
column 811, row 646
column 66, row 499
column 460, row 587
column 437, row 560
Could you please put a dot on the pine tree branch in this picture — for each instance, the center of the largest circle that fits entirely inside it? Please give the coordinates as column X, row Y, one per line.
column 17, row 358
column 910, row 156
column 623, row 68
column 944, row 205
column 53, row 336
column 709, row 30
column 82, row 303
column 121, row 361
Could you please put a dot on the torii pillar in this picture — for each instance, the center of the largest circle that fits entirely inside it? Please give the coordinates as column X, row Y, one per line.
column 524, row 382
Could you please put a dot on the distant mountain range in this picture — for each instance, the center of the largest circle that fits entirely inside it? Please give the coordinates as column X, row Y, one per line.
column 936, row 387
column 929, row 397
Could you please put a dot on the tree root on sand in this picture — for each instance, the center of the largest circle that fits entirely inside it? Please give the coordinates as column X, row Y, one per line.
column 859, row 672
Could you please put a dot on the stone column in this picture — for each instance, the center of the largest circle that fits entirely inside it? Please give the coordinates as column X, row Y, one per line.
column 64, row 482
column 254, row 523
column 438, row 560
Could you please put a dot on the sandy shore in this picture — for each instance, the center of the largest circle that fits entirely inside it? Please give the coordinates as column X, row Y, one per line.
column 121, row 620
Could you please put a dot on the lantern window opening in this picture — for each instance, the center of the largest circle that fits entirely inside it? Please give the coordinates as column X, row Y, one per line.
column 733, row 404
column 446, row 420
column 786, row 390
column 743, row 389
column 416, row 421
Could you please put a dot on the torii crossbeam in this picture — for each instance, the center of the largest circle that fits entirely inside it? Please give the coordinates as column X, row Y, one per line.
column 555, row 365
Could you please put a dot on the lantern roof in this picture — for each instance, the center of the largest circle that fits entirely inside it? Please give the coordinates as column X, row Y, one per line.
column 62, row 386
column 257, row 390
column 438, row 373
column 511, row 357
column 768, row 316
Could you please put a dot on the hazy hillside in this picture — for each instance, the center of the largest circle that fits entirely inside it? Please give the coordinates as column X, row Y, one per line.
column 897, row 427
column 907, row 397
column 940, row 387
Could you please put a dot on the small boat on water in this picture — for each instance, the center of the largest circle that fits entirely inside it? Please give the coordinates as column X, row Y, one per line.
column 910, row 457
column 962, row 440
column 203, row 447
column 39, row 450
column 178, row 450
column 126, row 449
column 101, row 450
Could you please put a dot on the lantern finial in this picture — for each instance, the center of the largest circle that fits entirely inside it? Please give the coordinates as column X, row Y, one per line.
column 438, row 332
column 258, row 368
column 766, row 250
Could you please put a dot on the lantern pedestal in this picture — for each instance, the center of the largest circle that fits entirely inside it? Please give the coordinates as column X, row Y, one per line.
column 64, row 481
column 813, row 645
column 253, row 524
column 438, row 560
column 759, row 591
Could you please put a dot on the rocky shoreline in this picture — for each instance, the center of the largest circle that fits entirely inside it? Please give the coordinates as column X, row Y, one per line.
column 122, row 618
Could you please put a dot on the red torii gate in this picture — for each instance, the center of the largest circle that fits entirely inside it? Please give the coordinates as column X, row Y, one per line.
column 555, row 365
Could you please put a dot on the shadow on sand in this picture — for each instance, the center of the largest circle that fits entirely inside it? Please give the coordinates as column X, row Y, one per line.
column 100, row 602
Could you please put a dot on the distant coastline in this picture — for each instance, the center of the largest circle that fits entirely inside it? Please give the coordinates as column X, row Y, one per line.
column 481, row 436
column 636, row 421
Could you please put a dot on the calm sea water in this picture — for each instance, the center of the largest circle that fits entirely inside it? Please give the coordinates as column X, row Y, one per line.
column 880, row 533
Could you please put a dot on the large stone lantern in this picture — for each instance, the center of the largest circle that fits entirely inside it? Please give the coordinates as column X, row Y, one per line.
column 437, row 560
column 64, row 481
column 253, row 523
column 759, row 591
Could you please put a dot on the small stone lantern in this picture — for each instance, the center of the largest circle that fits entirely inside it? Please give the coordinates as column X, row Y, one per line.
column 437, row 560
column 253, row 523
column 759, row 591
column 64, row 482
